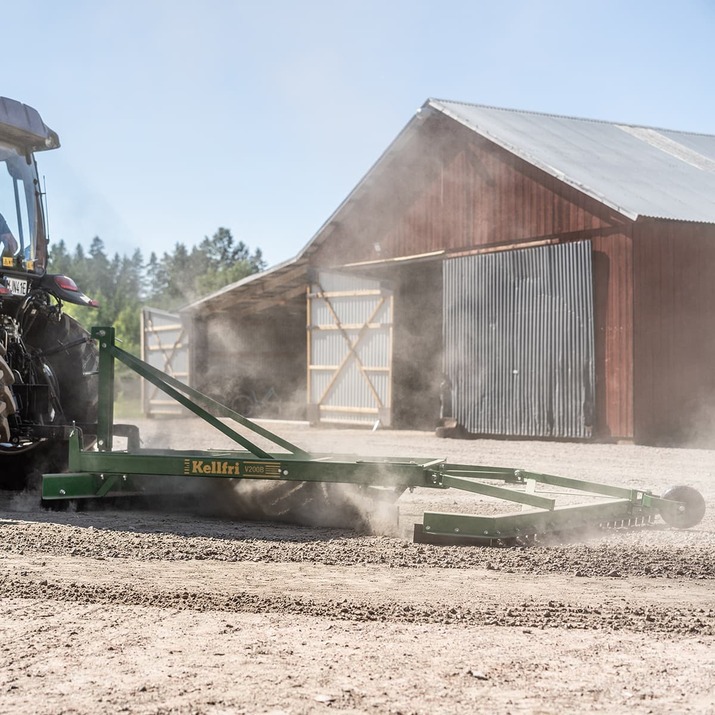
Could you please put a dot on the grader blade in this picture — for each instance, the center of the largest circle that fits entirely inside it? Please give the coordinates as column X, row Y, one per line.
column 108, row 472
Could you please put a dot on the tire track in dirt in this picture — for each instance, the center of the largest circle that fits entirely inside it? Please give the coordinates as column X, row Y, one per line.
column 368, row 592
column 529, row 614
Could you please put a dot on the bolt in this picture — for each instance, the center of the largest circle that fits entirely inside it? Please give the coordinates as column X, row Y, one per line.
column 62, row 492
column 285, row 472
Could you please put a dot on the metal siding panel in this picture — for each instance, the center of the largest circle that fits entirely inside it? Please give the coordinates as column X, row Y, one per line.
column 519, row 345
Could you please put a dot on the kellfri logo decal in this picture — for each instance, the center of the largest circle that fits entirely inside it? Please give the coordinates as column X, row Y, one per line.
column 226, row 468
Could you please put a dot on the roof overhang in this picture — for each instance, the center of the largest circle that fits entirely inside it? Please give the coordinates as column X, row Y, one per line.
column 22, row 125
column 278, row 287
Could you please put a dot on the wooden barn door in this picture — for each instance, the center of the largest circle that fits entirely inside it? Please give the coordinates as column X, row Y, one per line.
column 349, row 350
column 519, row 341
column 165, row 346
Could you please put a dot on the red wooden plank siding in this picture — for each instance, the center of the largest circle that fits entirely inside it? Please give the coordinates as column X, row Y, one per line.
column 613, row 299
column 674, row 341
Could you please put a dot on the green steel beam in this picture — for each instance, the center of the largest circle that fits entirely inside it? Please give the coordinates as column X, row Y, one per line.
column 506, row 474
column 109, row 351
column 246, row 466
column 174, row 388
column 469, row 485
column 83, row 485
column 105, row 403
column 584, row 486
column 530, row 523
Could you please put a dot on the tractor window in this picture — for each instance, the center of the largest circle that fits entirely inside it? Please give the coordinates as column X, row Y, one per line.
column 18, row 206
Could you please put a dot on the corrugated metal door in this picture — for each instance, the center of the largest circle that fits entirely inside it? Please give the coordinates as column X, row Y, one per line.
column 165, row 346
column 519, row 341
column 349, row 350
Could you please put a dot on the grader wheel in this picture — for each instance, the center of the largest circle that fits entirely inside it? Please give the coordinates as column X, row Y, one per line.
column 688, row 513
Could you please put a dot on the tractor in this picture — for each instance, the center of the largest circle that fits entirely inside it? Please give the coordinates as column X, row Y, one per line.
column 48, row 362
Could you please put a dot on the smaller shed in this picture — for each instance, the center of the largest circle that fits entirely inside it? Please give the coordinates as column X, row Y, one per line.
column 248, row 342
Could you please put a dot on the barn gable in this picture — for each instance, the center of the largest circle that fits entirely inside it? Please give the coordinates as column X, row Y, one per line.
column 451, row 189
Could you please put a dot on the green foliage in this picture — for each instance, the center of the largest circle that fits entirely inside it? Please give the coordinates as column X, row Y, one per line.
column 123, row 284
column 182, row 277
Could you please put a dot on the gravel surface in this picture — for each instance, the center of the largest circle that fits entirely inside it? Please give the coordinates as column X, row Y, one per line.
column 195, row 612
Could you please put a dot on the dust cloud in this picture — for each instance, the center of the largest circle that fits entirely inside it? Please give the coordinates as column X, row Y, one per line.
column 344, row 506
column 366, row 510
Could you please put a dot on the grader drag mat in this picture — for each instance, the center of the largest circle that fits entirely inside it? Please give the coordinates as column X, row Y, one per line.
column 107, row 472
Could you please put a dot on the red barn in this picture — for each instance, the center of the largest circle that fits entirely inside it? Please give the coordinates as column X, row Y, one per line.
column 533, row 275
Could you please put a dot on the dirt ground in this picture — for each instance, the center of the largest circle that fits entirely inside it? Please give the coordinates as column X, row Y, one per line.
column 186, row 611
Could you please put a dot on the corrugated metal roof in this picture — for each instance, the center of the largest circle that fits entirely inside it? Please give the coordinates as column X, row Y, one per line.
column 639, row 171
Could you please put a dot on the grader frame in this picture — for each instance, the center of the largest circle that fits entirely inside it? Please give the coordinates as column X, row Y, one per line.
column 104, row 471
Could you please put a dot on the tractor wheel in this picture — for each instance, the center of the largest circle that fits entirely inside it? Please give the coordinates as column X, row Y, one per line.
column 686, row 514
column 71, row 373
column 75, row 369
column 7, row 400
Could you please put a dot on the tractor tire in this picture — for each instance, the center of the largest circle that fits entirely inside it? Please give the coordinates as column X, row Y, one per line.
column 74, row 373
column 75, row 369
column 7, row 400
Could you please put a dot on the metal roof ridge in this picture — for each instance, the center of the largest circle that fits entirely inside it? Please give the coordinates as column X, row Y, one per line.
column 553, row 115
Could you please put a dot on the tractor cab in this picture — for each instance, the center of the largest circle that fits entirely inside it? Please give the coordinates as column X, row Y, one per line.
column 23, row 237
column 23, row 241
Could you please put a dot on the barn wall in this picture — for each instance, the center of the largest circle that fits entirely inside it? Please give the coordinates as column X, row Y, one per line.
column 674, row 344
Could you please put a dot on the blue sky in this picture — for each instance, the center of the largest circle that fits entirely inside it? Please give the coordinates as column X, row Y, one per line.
column 177, row 117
